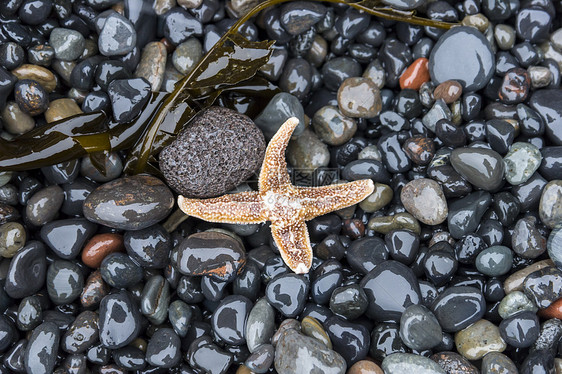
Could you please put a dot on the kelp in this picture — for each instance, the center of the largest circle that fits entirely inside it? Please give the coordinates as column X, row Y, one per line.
column 224, row 76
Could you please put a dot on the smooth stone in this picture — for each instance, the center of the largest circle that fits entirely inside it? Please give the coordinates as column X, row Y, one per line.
column 43, row 206
column 99, row 246
column 550, row 205
column 554, row 245
column 129, row 203
column 296, row 78
column 187, row 55
column 209, row 253
column 307, row 152
column 465, row 214
column 120, row 271
column 288, row 293
column 399, row 363
column 42, row 348
column 64, row 172
column 551, row 165
column 155, row 299
column 419, row 329
column 113, row 168
column 237, row 144
column 27, row 270
column 152, row 64
column 497, row 363
column 544, row 286
column 366, row 168
column 301, row 16
column 281, row 107
column 150, row 247
column 481, row 167
column 526, row 239
column 462, row 54
column 359, row 98
column 41, row 75
column 386, row 224
column 365, row 254
column 67, row 237
column 128, row 97
column 349, row 301
column 68, row 44
column 494, row 261
column 381, row 196
column 520, row 330
column 310, row 326
column 439, row 111
column 260, row 325
column 458, row 307
column 179, row 25
column 452, row 362
column 424, row 199
column 30, row 313
column 180, row 315
column 515, row 302
column 163, row 349
column 82, row 334
column 64, row 281
column 365, row 367
column 15, row 121
column 475, row 341
column 351, row 340
column 332, row 126
column 390, row 287
column 547, row 104
column 117, row 37
column 522, row 160
column 12, row 239
column 208, row 357
column 229, row 319
column 118, row 332
column 515, row 281
column 261, row 360
column 294, row 347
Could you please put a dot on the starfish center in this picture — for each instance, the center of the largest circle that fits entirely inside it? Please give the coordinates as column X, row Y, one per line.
column 283, row 207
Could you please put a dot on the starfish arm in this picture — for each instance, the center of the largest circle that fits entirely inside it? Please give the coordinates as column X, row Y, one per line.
column 243, row 207
column 321, row 200
column 294, row 245
column 274, row 168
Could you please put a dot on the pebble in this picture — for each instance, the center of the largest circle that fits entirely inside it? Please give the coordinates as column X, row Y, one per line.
column 260, row 325
column 494, row 261
column 64, row 281
column 179, row 26
column 117, row 36
column 307, row 152
column 288, row 293
column 419, row 329
column 540, row 76
column 281, row 107
column 520, row 330
column 504, row 35
column 515, row 281
column 359, row 98
column 31, row 97
column 12, row 239
column 61, row 109
column 522, row 160
column 26, row 273
column 152, row 64
column 42, row 348
column 68, row 44
column 454, row 363
column 480, row 166
column 189, row 171
column 296, row 78
column 515, row 302
column 229, row 319
column 119, row 271
column 390, row 287
column 449, row 91
column 209, row 253
column 438, row 111
column 163, row 349
column 349, row 301
column 30, row 314
column 365, row 367
column 399, row 221
column 293, row 347
column 415, row 75
column 129, row 203
column 67, row 237
column 299, row 17
column 543, row 286
column 99, row 246
column 349, row 339
column 15, row 121
column 261, row 360
column 12, row 55
column 118, row 332
column 465, row 214
column 458, row 307
column 381, row 196
column 526, row 240
column 187, row 55
column 398, row 363
column 94, row 290
column 128, row 97
column 82, row 334
column 149, row 247
column 313, row 328
column 482, row 337
column 36, row 73
column 497, row 363
column 332, row 126
column 547, row 103
column 43, row 206
column 550, row 206
column 424, row 199
column 113, row 168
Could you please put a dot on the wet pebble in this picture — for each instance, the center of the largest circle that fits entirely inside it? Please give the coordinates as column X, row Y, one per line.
column 118, row 270
column 288, row 293
column 64, row 281
column 163, row 349
column 180, row 315
column 260, row 325
column 118, row 332
column 308, row 152
column 419, row 329
column 152, row 64
column 452, row 362
column 349, row 301
column 68, row 44
column 497, row 363
column 520, row 330
column 67, row 237
column 42, row 348
column 281, row 107
column 26, row 274
column 31, row 97
column 129, row 203
column 481, row 167
column 544, row 286
column 117, row 37
column 349, row 339
column 332, row 126
column 494, row 261
column 359, row 98
column 229, row 319
column 465, row 214
column 12, row 238
column 415, row 75
column 398, row 363
column 458, row 307
column 82, row 334
column 424, row 199
column 99, row 246
column 550, row 208
column 261, row 360
column 30, row 313
column 128, row 97
column 16, row 121
column 482, row 337
column 526, row 239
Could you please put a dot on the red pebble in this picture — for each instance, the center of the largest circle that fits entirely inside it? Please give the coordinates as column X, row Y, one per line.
column 415, row 75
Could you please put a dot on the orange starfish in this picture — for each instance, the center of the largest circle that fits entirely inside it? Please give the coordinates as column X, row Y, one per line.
column 278, row 201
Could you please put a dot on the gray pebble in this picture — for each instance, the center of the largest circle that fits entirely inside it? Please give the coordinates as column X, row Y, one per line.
column 187, row 55
column 44, row 205
column 68, row 44
column 117, row 37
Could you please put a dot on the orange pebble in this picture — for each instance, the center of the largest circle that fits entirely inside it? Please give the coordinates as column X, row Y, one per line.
column 100, row 246
column 553, row 311
column 415, row 75
column 365, row 367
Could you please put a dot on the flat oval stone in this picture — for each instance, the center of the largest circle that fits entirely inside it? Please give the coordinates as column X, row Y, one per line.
column 281, row 107
column 550, row 205
column 209, row 253
column 359, row 98
column 260, row 325
column 419, row 329
column 217, row 151
column 482, row 337
column 293, row 347
column 482, row 167
column 129, row 203
column 424, row 199
column 544, row 286
column 64, row 281
column 26, row 274
column 350, row 339
column 119, row 322
column 43, row 206
column 400, row 363
column 494, row 261
column 520, row 330
column 42, row 348
column 229, row 319
column 458, row 307
column 391, row 287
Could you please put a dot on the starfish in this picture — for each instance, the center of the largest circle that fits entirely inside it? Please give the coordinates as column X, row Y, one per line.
column 286, row 206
